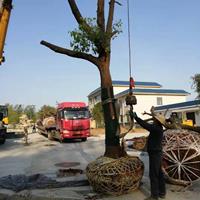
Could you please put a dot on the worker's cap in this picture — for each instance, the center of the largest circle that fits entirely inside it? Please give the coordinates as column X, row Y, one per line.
column 160, row 118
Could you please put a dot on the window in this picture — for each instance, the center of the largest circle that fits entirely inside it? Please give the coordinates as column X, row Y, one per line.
column 191, row 116
column 80, row 113
column 159, row 101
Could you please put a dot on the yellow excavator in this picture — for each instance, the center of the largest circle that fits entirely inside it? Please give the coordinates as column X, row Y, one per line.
column 5, row 10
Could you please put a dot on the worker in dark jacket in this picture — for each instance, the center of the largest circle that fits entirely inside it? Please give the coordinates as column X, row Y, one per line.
column 154, row 149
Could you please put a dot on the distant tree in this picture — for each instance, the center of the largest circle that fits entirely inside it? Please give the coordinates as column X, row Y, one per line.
column 19, row 108
column 196, row 84
column 97, row 114
column 30, row 111
column 46, row 111
column 13, row 114
column 92, row 42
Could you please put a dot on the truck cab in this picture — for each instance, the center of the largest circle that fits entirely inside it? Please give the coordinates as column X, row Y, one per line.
column 73, row 120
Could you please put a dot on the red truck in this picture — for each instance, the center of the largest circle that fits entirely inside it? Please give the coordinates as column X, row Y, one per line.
column 72, row 121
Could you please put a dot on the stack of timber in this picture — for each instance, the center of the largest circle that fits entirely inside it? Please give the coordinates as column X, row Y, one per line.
column 48, row 123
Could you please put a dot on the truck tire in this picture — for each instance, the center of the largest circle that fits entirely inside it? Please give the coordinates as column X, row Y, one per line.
column 84, row 139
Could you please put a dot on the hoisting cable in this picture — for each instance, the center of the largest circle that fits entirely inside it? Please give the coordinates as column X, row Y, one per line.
column 129, row 40
column 130, row 98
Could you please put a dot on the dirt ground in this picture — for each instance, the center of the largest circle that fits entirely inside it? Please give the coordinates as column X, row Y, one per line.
column 101, row 131
column 43, row 156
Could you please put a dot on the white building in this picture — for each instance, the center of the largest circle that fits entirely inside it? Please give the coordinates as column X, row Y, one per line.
column 148, row 94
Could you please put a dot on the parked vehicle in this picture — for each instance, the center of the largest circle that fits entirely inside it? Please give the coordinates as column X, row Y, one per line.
column 4, row 111
column 2, row 130
column 72, row 121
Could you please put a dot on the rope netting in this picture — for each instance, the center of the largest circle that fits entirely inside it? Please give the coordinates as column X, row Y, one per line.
column 181, row 155
column 115, row 176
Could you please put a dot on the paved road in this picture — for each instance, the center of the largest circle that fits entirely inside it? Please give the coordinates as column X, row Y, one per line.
column 42, row 156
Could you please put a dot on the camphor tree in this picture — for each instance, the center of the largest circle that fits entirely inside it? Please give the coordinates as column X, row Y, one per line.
column 92, row 42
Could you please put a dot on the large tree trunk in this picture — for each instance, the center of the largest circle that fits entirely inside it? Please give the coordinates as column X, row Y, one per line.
column 112, row 129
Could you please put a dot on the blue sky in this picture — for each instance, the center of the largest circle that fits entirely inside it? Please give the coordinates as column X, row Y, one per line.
column 165, row 46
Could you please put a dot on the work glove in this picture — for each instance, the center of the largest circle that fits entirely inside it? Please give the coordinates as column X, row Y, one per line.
column 134, row 115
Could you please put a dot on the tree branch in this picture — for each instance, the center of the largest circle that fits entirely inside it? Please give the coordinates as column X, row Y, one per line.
column 113, row 33
column 71, row 53
column 110, row 16
column 100, row 15
column 78, row 15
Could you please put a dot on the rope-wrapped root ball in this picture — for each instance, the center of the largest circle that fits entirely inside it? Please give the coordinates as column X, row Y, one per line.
column 181, row 156
column 115, row 176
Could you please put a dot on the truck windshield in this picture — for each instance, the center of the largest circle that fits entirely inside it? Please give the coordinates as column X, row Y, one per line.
column 76, row 114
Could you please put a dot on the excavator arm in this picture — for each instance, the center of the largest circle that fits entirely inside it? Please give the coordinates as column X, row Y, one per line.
column 5, row 10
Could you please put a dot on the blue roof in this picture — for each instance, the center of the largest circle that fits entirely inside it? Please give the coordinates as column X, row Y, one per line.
column 94, row 91
column 179, row 105
column 137, row 83
column 126, row 83
column 154, row 91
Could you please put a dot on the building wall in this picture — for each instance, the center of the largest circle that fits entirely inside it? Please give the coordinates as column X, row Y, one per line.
column 173, row 99
column 118, row 89
column 94, row 99
column 144, row 103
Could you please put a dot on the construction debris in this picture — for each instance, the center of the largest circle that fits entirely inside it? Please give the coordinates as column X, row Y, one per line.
column 37, row 181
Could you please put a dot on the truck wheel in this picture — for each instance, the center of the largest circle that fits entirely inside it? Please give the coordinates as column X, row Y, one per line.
column 84, row 139
column 49, row 134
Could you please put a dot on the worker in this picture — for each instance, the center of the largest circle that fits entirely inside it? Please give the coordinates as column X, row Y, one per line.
column 34, row 128
column 154, row 149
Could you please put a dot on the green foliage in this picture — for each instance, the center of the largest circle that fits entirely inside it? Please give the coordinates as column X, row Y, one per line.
column 92, row 39
column 30, row 111
column 15, row 111
column 46, row 111
column 13, row 114
column 196, row 84
column 97, row 114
